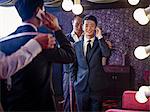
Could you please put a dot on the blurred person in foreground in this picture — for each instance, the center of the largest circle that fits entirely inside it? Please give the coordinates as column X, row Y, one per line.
column 30, row 89
column 10, row 64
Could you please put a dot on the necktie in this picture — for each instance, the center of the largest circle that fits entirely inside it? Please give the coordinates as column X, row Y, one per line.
column 88, row 48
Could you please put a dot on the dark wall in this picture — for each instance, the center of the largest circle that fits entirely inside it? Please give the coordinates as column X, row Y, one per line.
column 125, row 34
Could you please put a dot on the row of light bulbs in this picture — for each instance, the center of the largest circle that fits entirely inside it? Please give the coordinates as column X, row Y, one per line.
column 141, row 52
column 141, row 15
column 76, row 8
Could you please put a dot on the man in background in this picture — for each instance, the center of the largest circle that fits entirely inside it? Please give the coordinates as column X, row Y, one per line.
column 74, row 36
column 30, row 88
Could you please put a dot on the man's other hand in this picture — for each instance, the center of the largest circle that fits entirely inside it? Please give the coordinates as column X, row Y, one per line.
column 45, row 40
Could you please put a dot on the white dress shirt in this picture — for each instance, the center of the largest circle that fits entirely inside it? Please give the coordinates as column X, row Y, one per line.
column 9, row 65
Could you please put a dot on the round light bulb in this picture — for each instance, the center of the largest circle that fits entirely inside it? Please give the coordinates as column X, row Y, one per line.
column 140, row 52
column 145, row 89
column 143, row 21
column 133, row 2
column 140, row 97
column 77, row 9
column 67, row 5
column 138, row 14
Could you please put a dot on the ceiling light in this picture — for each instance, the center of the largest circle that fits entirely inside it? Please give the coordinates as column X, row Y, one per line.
column 133, row 2
column 102, row 1
column 67, row 5
column 77, row 7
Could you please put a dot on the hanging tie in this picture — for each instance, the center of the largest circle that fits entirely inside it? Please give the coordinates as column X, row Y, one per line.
column 88, row 48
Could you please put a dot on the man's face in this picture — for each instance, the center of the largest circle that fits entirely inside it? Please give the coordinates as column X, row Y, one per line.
column 89, row 28
column 77, row 24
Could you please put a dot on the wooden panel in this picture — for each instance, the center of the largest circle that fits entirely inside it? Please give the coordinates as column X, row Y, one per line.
column 119, row 80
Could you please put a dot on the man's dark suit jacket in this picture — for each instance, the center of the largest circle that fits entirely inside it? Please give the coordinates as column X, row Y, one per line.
column 31, row 86
column 89, row 74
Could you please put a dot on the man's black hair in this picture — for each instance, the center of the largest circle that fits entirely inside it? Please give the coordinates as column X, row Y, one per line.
column 27, row 8
column 90, row 17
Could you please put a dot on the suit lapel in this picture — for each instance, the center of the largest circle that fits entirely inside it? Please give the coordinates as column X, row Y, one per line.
column 95, row 45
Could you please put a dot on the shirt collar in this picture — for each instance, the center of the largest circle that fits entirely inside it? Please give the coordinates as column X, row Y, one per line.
column 86, row 39
column 30, row 24
column 74, row 36
column 73, row 33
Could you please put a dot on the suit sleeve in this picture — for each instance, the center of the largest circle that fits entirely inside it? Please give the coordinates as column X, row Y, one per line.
column 9, row 65
column 104, row 48
column 64, row 53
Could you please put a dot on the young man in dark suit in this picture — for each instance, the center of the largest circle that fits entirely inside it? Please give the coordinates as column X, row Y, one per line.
column 30, row 88
column 89, row 77
column 74, row 36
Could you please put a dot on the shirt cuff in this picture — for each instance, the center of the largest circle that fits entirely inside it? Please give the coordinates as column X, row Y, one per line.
column 33, row 47
column 100, row 37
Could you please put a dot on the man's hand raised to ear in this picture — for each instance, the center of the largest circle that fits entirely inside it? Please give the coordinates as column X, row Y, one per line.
column 50, row 21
